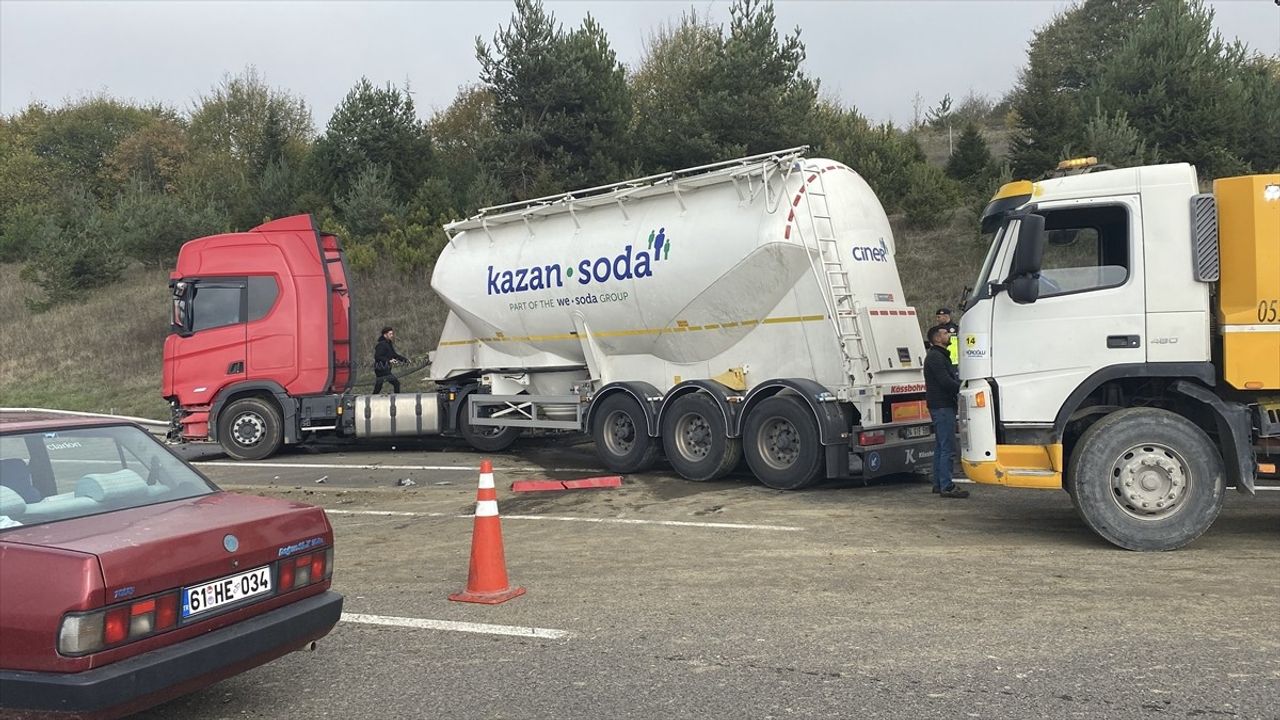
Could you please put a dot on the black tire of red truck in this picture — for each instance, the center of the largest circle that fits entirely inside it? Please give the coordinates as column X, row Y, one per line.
column 1147, row 479
column 250, row 428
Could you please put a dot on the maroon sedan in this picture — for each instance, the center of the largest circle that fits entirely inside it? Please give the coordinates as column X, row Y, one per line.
column 128, row 579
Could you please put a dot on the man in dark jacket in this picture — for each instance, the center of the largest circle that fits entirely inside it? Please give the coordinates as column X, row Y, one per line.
column 384, row 353
column 942, row 387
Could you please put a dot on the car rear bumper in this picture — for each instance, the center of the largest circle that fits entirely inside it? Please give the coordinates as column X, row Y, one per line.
column 153, row 677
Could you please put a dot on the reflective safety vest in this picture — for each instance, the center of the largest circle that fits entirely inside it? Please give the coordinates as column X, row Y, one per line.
column 953, row 349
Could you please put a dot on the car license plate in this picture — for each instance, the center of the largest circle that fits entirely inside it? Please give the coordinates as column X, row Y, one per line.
column 917, row 431
column 199, row 599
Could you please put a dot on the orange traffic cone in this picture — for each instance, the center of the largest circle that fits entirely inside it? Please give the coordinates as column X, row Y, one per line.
column 487, row 578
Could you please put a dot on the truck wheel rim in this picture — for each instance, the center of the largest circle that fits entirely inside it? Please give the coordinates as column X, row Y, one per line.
column 1150, row 481
column 248, row 429
column 693, row 436
column 778, row 443
column 620, row 433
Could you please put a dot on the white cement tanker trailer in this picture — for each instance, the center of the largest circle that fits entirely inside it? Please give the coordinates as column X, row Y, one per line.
column 747, row 309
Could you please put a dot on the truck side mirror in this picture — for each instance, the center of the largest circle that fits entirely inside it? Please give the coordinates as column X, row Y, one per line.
column 1023, row 283
column 1029, row 253
column 1024, row 289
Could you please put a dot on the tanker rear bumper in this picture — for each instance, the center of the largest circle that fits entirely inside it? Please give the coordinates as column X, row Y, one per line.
column 907, row 448
column 915, row 456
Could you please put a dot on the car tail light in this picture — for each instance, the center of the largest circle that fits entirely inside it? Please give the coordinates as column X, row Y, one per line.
column 166, row 611
column 285, row 581
column 305, row 570
column 115, row 629
column 871, row 437
column 84, row 633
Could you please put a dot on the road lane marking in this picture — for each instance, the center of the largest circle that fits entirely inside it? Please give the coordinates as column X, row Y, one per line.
column 483, row 628
column 566, row 518
column 314, row 466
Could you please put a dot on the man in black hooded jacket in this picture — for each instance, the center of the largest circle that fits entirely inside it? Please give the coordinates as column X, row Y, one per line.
column 384, row 353
column 942, row 386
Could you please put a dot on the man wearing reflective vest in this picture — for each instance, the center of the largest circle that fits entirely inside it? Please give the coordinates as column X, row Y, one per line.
column 943, row 320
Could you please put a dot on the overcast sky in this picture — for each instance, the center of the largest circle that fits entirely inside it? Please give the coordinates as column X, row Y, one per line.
column 873, row 55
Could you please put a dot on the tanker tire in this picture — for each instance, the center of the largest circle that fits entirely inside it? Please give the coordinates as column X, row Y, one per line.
column 250, row 429
column 485, row 438
column 619, row 429
column 780, row 441
column 695, row 439
column 1152, row 456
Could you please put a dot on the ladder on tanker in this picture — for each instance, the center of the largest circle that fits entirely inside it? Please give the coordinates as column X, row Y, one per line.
column 842, row 307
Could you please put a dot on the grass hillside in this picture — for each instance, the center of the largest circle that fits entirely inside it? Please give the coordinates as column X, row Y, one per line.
column 104, row 354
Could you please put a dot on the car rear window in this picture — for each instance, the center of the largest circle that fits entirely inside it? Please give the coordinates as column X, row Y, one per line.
column 57, row 475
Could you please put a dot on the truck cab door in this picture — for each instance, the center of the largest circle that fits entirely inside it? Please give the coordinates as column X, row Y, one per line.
column 1090, row 312
column 211, row 350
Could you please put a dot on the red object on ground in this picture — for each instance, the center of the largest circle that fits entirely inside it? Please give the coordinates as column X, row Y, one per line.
column 487, row 577
column 609, row 481
column 536, row 485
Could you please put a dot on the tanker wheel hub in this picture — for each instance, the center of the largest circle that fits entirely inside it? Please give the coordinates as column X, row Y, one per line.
column 621, row 435
column 693, row 436
column 779, row 443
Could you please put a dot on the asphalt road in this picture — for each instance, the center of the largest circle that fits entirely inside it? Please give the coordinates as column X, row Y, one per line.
column 665, row 598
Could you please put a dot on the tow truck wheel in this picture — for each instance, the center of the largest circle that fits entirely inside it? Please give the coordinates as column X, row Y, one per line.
column 619, row 429
column 696, row 439
column 1147, row 479
column 250, row 429
column 485, row 438
column 781, row 443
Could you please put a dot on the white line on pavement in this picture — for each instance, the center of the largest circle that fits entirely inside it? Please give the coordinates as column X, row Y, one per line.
column 317, row 466
column 565, row 518
column 424, row 624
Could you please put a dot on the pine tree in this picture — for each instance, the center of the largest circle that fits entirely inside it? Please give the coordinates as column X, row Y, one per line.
column 373, row 127
column 1183, row 88
column 971, row 162
column 560, row 104
column 1063, row 60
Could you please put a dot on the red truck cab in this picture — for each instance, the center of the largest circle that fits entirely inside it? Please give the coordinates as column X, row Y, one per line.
column 251, row 355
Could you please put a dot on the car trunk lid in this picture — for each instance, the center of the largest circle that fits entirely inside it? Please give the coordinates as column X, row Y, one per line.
column 169, row 545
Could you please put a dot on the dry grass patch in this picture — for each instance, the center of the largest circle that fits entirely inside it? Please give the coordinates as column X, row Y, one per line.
column 99, row 355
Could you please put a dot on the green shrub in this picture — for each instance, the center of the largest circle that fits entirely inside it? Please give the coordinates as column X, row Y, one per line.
column 930, row 197
column 23, row 229
column 80, row 255
column 151, row 227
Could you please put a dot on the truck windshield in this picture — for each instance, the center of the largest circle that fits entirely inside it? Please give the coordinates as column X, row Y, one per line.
column 982, row 285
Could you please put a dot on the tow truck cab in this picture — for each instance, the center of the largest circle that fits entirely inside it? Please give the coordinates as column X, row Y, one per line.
column 1125, row 308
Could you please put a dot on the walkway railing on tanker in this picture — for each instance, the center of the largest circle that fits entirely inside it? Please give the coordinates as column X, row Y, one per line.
column 614, row 191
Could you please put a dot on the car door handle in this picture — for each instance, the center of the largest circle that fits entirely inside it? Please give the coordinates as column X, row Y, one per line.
column 236, row 368
column 1123, row 341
